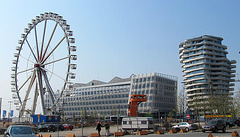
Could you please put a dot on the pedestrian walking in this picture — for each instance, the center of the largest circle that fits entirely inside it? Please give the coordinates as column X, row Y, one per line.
column 99, row 128
column 107, row 127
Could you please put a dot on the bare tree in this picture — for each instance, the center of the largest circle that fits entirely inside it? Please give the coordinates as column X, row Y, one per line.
column 182, row 103
column 235, row 105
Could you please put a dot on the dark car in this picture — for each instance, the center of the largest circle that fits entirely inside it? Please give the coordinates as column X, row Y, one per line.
column 59, row 127
column 237, row 122
column 19, row 131
column 230, row 123
column 42, row 128
column 214, row 126
column 47, row 128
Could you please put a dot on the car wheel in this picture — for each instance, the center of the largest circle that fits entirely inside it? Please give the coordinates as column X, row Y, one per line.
column 203, row 130
column 187, row 129
column 224, row 130
column 216, row 130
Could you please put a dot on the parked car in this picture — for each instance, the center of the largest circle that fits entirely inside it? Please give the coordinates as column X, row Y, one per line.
column 237, row 122
column 185, row 125
column 59, row 127
column 230, row 123
column 19, row 131
column 214, row 126
column 68, row 126
column 42, row 128
column 47, row 128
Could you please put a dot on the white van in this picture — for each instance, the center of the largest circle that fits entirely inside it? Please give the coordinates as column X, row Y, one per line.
column 137, row 123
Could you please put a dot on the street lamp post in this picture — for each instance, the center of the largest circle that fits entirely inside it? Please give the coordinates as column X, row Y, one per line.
column 9, row 113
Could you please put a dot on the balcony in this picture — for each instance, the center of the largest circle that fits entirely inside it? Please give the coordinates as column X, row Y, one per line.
column 233, row 61
column 233, row 66
column 232, row 71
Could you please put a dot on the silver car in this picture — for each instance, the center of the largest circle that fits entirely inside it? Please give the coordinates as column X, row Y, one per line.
column 186, row 125
column 19, row 131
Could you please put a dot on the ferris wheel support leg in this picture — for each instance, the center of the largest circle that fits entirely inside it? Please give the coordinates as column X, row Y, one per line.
column 39, row 76
column 35, row 100
column 27, row 94
column 49, row 88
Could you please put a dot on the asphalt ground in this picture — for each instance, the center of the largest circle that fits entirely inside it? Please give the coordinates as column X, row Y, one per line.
column 88, row 130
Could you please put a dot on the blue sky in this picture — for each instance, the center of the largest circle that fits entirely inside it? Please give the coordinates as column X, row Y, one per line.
column 121, row 37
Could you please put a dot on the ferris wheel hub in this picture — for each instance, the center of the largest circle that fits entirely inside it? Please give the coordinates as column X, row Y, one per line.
column 38, row 65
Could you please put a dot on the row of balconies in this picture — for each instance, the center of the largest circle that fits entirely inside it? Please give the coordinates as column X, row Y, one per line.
column 217, row 77
column 209, row 68
column 188, row 91
column 205, row 47
column 219, row 73
column 204, row 42
column 210, row 63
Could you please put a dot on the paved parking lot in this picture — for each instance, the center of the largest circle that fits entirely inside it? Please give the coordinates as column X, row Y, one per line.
column 88, row 130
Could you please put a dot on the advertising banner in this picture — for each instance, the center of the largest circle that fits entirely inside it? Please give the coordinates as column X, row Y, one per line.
column 4, row 113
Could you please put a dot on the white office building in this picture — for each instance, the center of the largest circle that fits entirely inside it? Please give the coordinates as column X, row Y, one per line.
column 111, row 98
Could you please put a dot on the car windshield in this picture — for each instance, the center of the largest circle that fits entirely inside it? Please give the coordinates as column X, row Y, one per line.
column 21, row 130
column 211, row 122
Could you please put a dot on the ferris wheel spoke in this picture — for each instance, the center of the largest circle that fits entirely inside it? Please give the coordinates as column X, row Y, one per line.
column 27, row 94
column 27, row 59
column 24, row 84
column 49, row 41
column 32, row 50
column 43, row 39
column 25, row 71
column 54, row 49
column 54, row 74
column 55, row 61
column 35, row 30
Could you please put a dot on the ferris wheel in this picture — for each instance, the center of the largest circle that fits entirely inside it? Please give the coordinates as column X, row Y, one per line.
column 43, row 65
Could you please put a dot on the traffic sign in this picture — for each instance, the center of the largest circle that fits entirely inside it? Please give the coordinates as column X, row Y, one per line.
column 188, row 116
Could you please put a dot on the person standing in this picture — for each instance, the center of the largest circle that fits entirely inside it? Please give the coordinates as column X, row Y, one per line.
column 107, row 127
column 98, row 128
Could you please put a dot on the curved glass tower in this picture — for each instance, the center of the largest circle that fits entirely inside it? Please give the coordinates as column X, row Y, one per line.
column 207, row 74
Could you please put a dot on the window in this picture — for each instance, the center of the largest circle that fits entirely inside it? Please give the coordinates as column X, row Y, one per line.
column 144, row 79
column 143, row 122
column 148, row 78
column 124, row 122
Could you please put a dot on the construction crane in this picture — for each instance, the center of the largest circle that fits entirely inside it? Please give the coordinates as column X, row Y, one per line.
column 133, row 104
